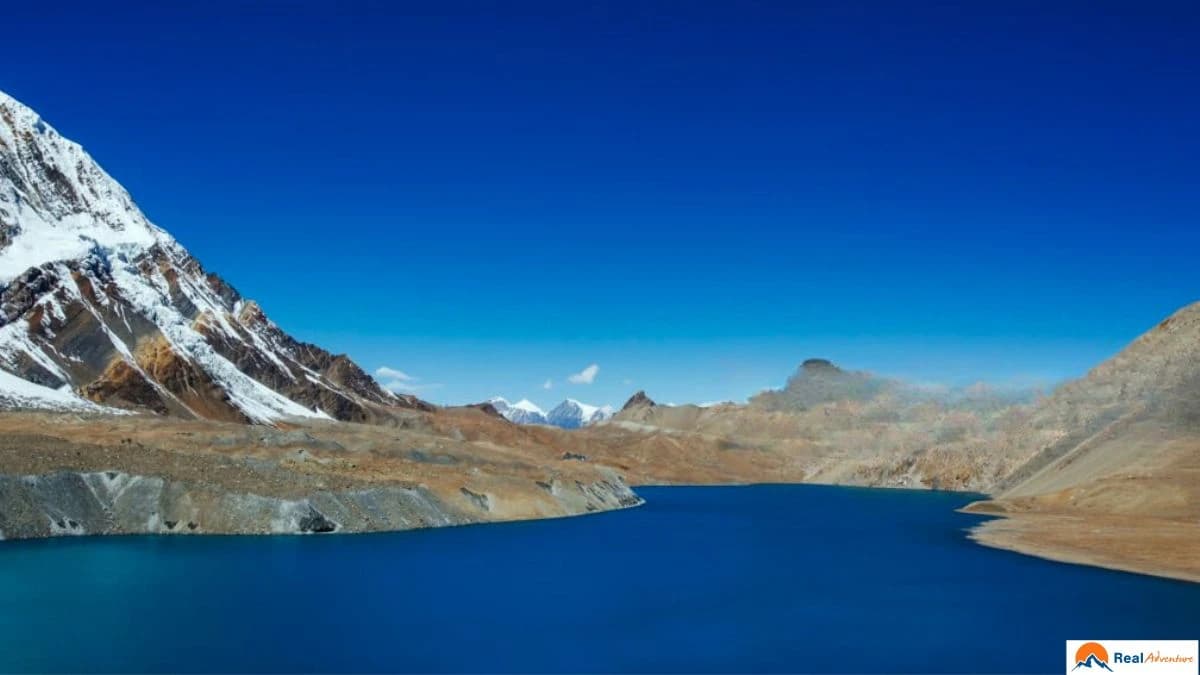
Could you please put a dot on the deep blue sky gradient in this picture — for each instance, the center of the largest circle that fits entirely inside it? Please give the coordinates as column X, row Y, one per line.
column 695, row 196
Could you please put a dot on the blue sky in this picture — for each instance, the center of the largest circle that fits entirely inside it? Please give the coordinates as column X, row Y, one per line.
column 693, row 196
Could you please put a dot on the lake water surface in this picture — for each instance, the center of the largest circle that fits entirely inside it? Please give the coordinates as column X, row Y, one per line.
column 764, row 578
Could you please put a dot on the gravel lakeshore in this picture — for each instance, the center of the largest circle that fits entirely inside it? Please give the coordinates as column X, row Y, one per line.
column 1155, row 546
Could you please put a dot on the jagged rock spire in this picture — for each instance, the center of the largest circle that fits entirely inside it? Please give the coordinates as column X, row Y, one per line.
column 639, row 400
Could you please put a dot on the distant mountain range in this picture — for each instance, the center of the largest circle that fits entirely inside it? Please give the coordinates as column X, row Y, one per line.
column 570, row 414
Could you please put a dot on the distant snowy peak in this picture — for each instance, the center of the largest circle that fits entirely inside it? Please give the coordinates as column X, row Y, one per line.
column 521, row 412
column 528, row 406
column 100, row 306
column 572, row 414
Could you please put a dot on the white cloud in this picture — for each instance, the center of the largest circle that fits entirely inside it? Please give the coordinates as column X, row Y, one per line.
column 585, row 376
column 393, row 374
column 401, row 382
column 548, row 384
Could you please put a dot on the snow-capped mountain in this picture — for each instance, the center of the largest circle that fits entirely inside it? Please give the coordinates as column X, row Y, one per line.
column 572, row 414
column 521, row 412
column 100, row 307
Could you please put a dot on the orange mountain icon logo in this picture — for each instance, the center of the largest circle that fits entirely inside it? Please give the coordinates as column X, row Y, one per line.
column 1091, row 655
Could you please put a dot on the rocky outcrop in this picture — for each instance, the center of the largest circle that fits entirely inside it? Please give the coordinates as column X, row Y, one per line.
column 819, row 381
column 638, row 400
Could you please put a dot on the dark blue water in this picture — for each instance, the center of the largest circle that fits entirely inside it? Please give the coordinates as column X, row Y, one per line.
column 767, row 578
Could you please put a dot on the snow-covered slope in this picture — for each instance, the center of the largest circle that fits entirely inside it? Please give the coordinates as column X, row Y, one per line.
column 99, row 305
column 57, row 204
column 521, row 412
column 18, row 393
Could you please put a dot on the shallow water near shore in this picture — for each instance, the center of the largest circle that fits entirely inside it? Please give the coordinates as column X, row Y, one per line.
column 762, row 578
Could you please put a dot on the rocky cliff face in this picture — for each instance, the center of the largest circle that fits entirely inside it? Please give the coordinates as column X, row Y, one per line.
column 99, row 303
column 113, row 502
column 71, row 503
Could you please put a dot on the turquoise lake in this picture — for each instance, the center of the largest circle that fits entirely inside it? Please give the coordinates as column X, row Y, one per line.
column 763, row 578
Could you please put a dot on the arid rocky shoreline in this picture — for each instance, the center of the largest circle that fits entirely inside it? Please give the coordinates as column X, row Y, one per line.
column 75, row 475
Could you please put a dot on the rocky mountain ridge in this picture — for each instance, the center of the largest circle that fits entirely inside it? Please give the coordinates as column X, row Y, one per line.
column 100, row 306
column 830, row 425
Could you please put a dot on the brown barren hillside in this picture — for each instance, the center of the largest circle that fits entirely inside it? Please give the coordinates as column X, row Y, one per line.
column 1114, row 471
column 829, row 425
